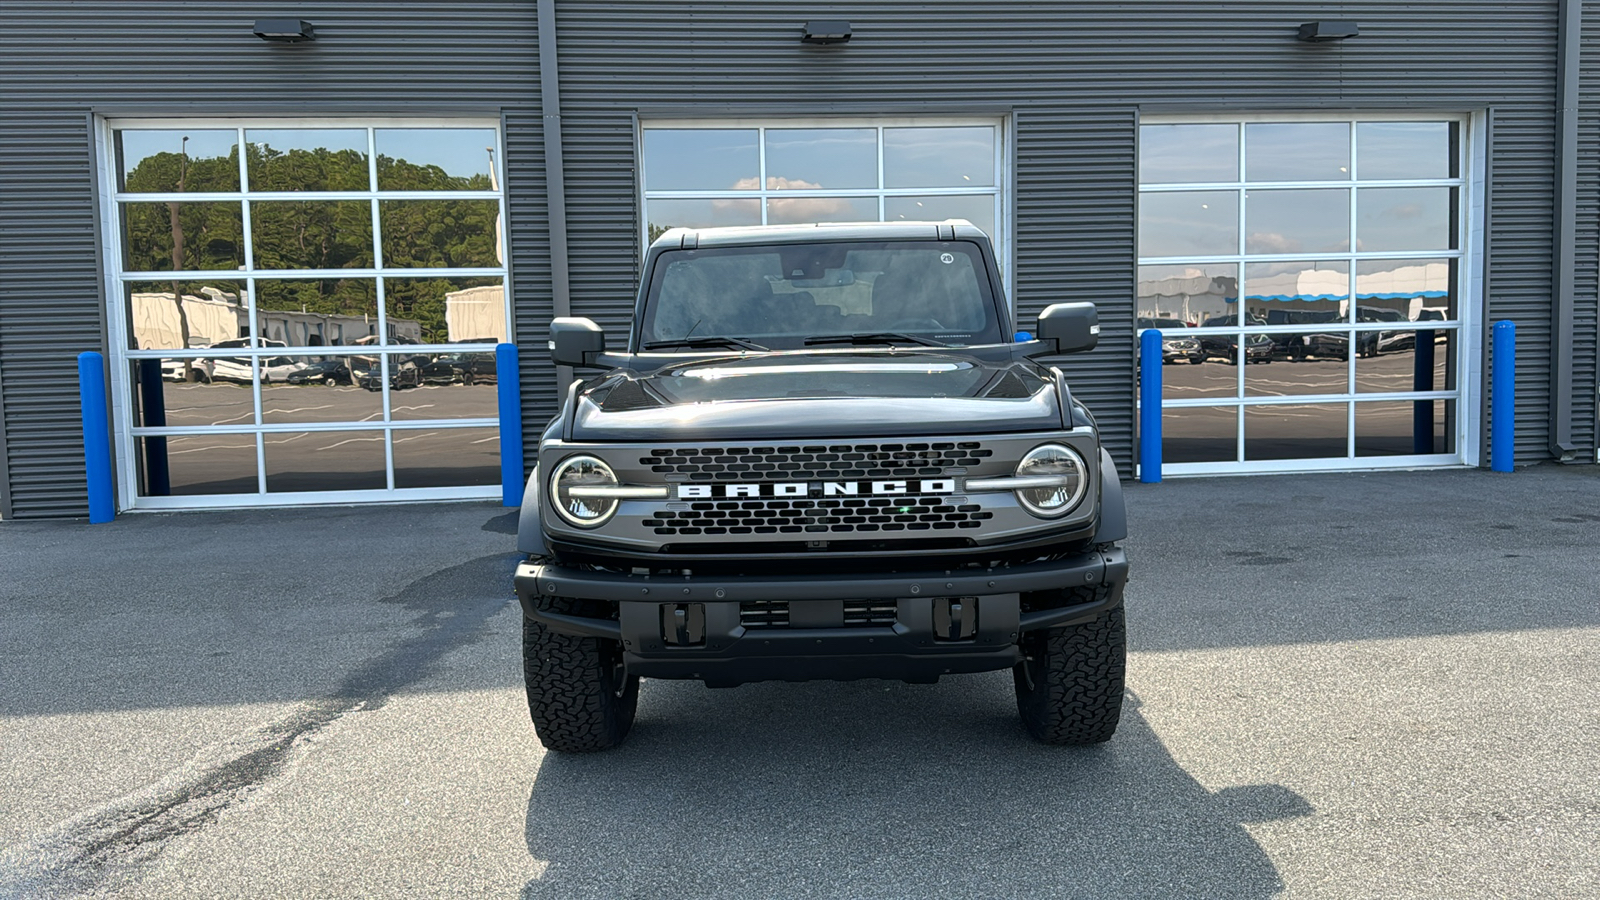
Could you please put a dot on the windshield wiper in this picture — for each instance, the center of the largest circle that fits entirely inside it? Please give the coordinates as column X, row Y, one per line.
column 690, row 342
column 873, row 337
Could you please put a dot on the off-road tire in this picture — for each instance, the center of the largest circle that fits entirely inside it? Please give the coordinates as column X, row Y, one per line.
column 1069, row 686
column 579, row 698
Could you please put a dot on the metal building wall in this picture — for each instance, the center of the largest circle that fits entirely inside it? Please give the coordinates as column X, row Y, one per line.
column 1586, row 316
column 60, row 63
column 1075, row 76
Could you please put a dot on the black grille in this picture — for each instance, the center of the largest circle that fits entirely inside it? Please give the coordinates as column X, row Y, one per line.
column 818, row 461
column 775, row 613
column 818, row 515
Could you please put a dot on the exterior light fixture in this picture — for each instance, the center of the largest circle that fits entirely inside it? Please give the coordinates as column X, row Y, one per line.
column 1327, row 30
column 826, row 32
column 285, row 31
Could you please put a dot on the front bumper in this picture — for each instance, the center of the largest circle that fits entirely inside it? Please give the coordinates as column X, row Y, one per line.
column 942, row 622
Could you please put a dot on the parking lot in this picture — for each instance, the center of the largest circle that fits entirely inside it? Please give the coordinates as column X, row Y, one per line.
column 1341, row 685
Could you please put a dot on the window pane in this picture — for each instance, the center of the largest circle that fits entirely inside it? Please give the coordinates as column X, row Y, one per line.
column 1189, row 223
column 177, row 161
column 1188, row 153
column 313, row 234
column 179, row 393
column 325, row 461
column 1405, row 150
column 1297, row 293
column 1407, row 360
column 448, row 386
column 307, row 159
column 1315, row 221
column 440, row 234
column 975, row 208
column 961, row 156
column 805, row 210
column 1296, row 431
column 211, row 312
column 435, row 159
column 446, row 457
column 1297, row 151
column 1190, row 294
column 665, row 214
column 323, row 312
column 1405, row 429
column 1185, row 375
column 320, row 389
column 822, row 159
column 209, row 235
column 1405, row 219
column 701, row 159
column 1418, row 290
column 1200, row 434
column 199, row 464
column 1301, row 363
column 445, row 310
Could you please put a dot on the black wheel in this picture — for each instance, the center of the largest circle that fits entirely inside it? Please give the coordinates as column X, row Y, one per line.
column 1069, row 686
column 579, row 696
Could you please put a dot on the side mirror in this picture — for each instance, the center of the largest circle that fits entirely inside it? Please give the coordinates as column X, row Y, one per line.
column 1070, row 326
column 576, row 341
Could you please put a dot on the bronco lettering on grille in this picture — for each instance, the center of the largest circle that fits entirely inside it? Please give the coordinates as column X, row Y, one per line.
column 817, row 488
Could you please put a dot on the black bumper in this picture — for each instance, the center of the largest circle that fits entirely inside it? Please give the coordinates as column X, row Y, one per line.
column 943, row 623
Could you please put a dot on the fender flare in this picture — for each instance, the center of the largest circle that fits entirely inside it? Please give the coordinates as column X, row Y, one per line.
column 1113, row 511
column 530, row 536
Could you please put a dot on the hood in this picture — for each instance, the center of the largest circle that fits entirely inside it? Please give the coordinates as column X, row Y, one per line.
column 811, row 394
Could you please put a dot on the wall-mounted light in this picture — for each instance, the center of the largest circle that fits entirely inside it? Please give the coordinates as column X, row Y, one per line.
column 285, row 31
column 1327, row 30
column 826, row 32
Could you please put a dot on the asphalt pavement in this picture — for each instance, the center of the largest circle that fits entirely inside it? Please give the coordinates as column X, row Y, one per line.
column 1342, row 685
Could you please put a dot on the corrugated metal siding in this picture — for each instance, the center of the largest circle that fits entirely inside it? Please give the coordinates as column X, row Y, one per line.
column 528, row 233
column 59, row 61
column 1071, row 73
column 1586, row 318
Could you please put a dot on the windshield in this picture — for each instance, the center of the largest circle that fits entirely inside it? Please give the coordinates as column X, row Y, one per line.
column 777, row 296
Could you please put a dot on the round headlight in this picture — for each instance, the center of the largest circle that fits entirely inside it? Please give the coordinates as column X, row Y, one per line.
column 582, row 471
column 1062, row 463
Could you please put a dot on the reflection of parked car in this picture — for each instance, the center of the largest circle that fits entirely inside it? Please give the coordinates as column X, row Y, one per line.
column 403, row 373
column 1174, row 348
column 467, row 368
column 172, row 370
column 324, row 371
column 237, row 368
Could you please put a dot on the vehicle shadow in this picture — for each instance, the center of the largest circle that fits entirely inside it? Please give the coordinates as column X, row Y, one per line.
column 878, row 789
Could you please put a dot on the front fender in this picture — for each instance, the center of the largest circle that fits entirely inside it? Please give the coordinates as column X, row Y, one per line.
column 530, row 534
column 1113, row 511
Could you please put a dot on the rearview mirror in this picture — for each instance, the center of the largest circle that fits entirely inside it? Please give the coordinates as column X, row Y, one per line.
column 1072, row 326
column 576, row 341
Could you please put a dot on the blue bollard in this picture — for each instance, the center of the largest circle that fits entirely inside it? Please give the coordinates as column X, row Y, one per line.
column 509, row 385
column 1150, row 407
column 96, row 436
column 1502, row 391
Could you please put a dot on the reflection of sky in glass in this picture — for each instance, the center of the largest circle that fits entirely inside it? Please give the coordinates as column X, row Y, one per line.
column 1188, row 153
column 460, row 152
column 805, row 210
column 1404, row 219
column 1297, row 151
column 938, row 157
column 979, row 210
column 285, row 139
column 1315, row 221
column 137, row 145
column 701, row 159
column 1185, row 223
column 830, row 158
column 1404, row 150
column 703, row 213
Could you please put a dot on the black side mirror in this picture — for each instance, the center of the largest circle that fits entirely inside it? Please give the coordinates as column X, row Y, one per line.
column 1071, row 326
column 576, row 341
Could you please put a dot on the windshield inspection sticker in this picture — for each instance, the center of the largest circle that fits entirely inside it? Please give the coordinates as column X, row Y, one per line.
column 947, row 258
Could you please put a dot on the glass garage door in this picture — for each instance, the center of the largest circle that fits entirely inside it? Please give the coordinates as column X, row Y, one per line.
column 1306, row 277
column 307, row 311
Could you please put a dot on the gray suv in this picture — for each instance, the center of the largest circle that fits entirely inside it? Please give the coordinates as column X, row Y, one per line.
column 823, row 454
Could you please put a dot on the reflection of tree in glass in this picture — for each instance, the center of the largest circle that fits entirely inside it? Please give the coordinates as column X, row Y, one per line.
column 312, row 234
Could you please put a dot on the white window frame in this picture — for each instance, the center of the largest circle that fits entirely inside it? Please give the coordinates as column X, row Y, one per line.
column 127, row 435
column 1000, row 190
column 1469, row 281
